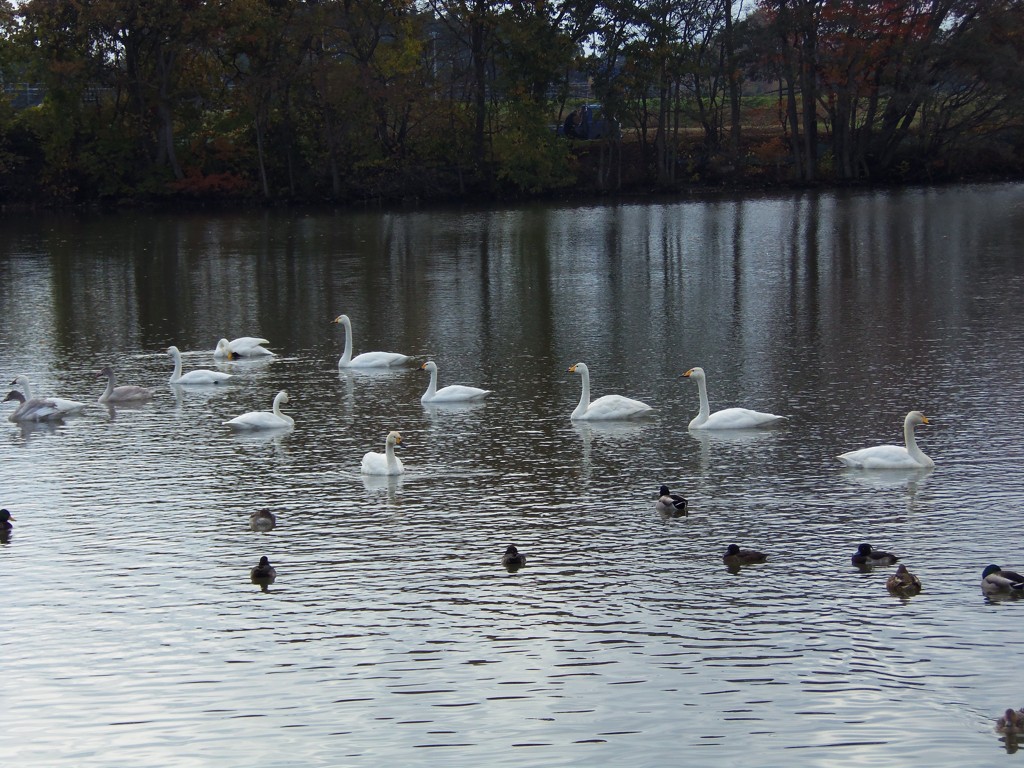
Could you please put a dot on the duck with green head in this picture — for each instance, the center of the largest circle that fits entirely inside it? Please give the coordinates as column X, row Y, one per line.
column 995, row 580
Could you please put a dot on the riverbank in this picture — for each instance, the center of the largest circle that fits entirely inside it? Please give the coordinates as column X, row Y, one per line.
column 599, row 169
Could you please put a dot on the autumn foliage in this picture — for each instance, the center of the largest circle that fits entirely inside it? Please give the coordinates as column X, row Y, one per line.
column 341, row 100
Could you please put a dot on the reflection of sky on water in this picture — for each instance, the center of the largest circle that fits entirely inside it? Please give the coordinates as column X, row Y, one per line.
column 392, row 625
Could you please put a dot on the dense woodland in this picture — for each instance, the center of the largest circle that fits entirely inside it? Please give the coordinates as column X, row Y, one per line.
column 306, row 101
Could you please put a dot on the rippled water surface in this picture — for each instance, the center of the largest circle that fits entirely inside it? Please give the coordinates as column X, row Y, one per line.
column 392, row 635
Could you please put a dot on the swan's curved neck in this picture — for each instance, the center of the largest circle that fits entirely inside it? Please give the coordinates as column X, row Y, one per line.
column 23, row 381
column 177, row 366
column 346, row 356
column 432, row 389
column 705, row 406
column 277, row 405
column 389, row 454
column 584, row 395
column 110, row 387
column 915, row 453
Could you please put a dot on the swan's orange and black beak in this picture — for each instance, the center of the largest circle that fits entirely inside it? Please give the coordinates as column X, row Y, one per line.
column 572, row 369
column 924, row 419
column 687, row 374
column 423, row 367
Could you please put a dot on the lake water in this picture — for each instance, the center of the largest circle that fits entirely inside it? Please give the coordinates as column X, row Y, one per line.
column 393, row 636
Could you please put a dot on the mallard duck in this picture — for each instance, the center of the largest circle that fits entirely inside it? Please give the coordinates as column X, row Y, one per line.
column 264, row 572
column 994, row 579
column 735, row 557
column 262, row 520
column 672, row 503
column 1012, row 721
column 513, row 558
column 865, row 555
column 903, row 582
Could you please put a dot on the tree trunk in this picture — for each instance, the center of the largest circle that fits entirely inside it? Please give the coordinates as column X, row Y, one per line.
column 733, row 81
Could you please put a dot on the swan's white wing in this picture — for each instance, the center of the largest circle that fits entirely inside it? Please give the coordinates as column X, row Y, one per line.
column 67, row 406
column 128, row 393
column 36, row 410
column 739, row 418
column 879, row 457
column 378, row 360
column 201, row 376
column 377, row 464
column 615, row 407
column 258, row 420
column 249, row 346
column 456, row 393
column 245, row 342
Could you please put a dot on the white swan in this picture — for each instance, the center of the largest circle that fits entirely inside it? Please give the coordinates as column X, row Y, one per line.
column 126, row 393
column 384, row 463
column 264, row 419
column 367, row 359
column 35, row 409
column 892, row 456
column 453, row 393
column 65, row 407
column 244, row 346
column 728, row 418
column 199, row 376
column 607, row 407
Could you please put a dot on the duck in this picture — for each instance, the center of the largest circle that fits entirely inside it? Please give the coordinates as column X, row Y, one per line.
column 728, row 418
column 272, row 419
column 126, row 393
column 384, row 463
column 1012, row 721
column 994, row 580
column 199, row 376
column 735, row 557
column 65, row 406
column 262, row 520
column 36, row 409
column 243, row 346
column 366, row 359
column 264, row 572
column 865, row 555
column 903, row 582
column 907, row 456
column 453, row 393
column 513, row 558
column 672, row 503
column 5, row 521
column 604, row 408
